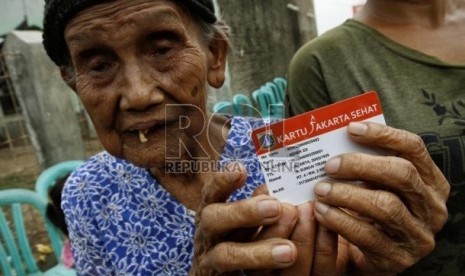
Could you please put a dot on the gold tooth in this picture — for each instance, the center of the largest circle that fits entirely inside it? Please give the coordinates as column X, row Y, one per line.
column 142, row 137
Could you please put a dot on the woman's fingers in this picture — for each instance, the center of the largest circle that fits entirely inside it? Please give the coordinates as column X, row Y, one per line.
column 261, row 190
column 223, row 183
column 383, row 207
column 380, row 206
column 326, row 252
column 393, row 174
column 397, row 175
column 303, row 237
column 407, row 145
column 220, row 244
column 220, row 218
column 388, row 222
column 271, row 253
column 283, row 227
column 298, row 226
column 379, row 250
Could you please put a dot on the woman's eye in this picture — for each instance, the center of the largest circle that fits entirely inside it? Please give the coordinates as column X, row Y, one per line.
column 161, row 44
column 96, row 60
column 162, row 51
column 100, row 67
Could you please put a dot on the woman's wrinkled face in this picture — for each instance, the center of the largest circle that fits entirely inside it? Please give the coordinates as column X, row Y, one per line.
column 142, row 68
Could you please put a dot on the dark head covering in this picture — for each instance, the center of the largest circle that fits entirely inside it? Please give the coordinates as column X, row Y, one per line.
column 59, row 12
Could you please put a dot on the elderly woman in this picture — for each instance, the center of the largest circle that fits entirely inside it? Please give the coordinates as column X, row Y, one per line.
column 141, row 69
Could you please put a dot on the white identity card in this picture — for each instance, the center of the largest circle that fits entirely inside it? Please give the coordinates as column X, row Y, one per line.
column 293, row 152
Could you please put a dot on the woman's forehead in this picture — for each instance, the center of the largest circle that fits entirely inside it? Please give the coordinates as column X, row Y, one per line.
column 127, row 13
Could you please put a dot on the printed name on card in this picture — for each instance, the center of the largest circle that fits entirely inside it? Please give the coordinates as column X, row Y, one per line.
column 293, row 152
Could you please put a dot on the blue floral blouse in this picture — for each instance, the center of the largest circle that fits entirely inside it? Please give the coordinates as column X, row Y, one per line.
column 121, row 221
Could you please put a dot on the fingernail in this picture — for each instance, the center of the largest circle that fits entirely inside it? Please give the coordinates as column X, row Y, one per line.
column 322, row 188
column 282, row 253
column 358, row 129
column 332, row 166
column 268, row 208
column 321, row 208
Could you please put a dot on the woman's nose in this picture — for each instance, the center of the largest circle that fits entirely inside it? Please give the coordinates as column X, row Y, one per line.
column 140, row 89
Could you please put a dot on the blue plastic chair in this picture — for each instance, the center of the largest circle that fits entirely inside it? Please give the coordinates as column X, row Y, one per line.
column 49, row 176
column 278, row 97
column 276, row 100
column 223, row 107
column 262, row 100
column 266, row 101
column 18, row 258
column 243, row 105
column 281, row 84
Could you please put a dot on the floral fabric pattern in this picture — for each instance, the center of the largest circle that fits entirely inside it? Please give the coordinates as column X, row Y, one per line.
column 123, row 222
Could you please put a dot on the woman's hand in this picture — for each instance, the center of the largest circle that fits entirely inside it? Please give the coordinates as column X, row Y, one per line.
column 302, row 235
column 224, row 240
column 388, row 223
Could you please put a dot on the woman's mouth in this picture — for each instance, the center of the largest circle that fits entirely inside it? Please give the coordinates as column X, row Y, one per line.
column 143, row 131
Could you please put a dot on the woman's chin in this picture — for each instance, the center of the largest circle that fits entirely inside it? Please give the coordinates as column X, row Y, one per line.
column 147, row 162
column 146, row 159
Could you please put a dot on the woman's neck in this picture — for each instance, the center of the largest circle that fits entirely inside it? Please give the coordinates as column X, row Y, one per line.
column 432, row 27
column 422, row 13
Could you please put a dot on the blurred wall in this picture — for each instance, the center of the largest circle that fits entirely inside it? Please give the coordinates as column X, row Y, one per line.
column 265, row 35
column 45, row 99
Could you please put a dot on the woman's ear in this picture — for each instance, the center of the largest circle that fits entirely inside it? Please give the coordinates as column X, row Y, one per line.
column 68, row 76
column 218, row 50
